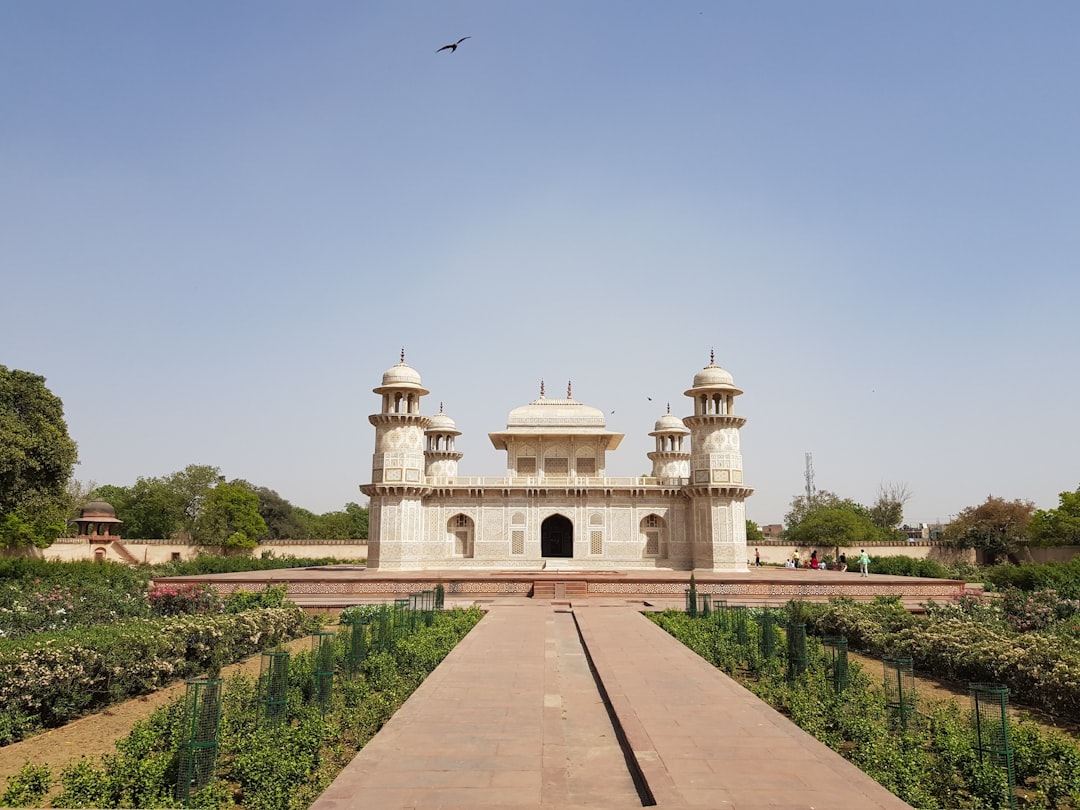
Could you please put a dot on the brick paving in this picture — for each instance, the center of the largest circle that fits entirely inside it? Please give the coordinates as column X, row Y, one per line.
column 514, row 718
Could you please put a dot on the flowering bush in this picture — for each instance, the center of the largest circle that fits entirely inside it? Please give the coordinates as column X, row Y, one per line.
column 43, row 597
column 1041, row 668
column 184, row 599
column 48, row 680
column 1036, row 610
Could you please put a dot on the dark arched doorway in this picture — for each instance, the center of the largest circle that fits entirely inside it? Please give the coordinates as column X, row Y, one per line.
column 557, row 537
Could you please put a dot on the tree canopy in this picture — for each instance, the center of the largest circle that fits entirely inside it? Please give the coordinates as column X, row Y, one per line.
column 1058, row 527
column 833, row 526
column 826, row 519
column 173, row 506
column 997, row 527
column 36, row 459
column 229, row 517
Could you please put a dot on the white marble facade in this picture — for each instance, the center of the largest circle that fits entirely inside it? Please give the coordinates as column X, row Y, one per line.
column 554, row 506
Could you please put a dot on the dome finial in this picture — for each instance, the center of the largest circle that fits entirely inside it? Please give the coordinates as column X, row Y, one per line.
column 569, row 390
column 669, row 407
column 440, row 406
column 402, row 354
column 712, row 357
column 541, row 389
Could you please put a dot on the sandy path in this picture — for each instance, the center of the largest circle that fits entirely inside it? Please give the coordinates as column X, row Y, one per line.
column 96, row 734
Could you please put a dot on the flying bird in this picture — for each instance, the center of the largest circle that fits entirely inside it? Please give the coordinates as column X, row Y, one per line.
column 453, row 45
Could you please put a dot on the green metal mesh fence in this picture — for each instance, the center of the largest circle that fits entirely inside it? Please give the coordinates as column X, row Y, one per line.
column 358, row 645
column 198, row 752
column 767, row 638
column 899, row 689
column 322, row 657
column 274, row 685
column 990, row 705
column 737, row 614
column 796, row 650
column 836, row 661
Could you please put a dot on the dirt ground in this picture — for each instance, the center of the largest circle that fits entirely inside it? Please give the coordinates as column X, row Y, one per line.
column 96, row 734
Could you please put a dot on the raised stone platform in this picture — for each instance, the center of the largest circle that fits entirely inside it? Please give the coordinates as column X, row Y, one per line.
column 338, row 586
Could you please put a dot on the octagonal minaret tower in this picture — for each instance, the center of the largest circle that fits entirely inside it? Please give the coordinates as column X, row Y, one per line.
column 716, row 490
column 671, row 459
column 395, row 519
column 440, row 457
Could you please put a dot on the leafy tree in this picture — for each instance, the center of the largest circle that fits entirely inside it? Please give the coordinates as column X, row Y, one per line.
column 753, row 532
column 281, row 520
column 1058, row 527
column 161, row 507
column 36, row 459
column 358, row 521
column 801, row 507
column 887, row 512
column 997, row 528
column 833, row 526
column 191, row 486
column 229, row 517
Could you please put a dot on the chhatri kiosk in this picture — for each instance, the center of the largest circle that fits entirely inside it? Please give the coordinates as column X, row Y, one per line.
column 555, row 506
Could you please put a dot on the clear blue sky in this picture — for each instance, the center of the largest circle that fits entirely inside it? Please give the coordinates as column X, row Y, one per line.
column 220, row 222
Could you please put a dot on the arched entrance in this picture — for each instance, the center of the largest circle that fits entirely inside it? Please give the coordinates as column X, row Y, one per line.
column 557, row 537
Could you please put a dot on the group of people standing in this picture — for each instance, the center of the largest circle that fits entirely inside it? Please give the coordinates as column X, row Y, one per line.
column 814, row 562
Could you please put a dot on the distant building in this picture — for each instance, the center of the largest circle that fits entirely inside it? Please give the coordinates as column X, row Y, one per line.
column 772, row 531
column 555, row 505
column 924, row 531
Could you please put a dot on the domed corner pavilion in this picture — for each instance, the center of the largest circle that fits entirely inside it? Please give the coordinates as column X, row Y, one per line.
column 97, row 521
column 555, row 505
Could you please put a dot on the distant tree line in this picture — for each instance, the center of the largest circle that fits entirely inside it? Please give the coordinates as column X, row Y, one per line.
column 199, row 505
column 1001, row 529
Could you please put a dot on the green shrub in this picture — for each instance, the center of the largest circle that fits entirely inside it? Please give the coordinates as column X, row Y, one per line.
column 931, row 765
column 214, row 564
column 47, row 680
column 273, row 596
column 28, row 787
column 283, row 767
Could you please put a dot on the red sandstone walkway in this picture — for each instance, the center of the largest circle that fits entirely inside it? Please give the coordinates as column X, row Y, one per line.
column 513, row 718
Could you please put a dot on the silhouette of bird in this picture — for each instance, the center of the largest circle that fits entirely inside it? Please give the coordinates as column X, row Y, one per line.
column 453, row 45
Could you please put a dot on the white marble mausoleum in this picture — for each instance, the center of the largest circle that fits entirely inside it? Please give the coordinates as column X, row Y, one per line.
column 555, row 505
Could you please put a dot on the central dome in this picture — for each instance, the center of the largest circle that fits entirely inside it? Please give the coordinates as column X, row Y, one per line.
column 544, row 412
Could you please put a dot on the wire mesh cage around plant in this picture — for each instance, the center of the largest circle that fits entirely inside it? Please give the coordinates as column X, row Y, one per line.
column 401, row 619
column 322, row 658
column 899, row 683
column 796, row 649
column 720, row 613
column 273, row 688
column 440, row 596
column 704, row 605
column 767, row 638
column 358, row 646
column 428, row 603
column 737, row 615
column 989, row 709
column 836, row 661
column 198, row 751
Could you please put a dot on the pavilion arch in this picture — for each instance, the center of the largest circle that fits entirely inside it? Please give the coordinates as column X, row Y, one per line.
column 654, row 535
column 462, row 530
